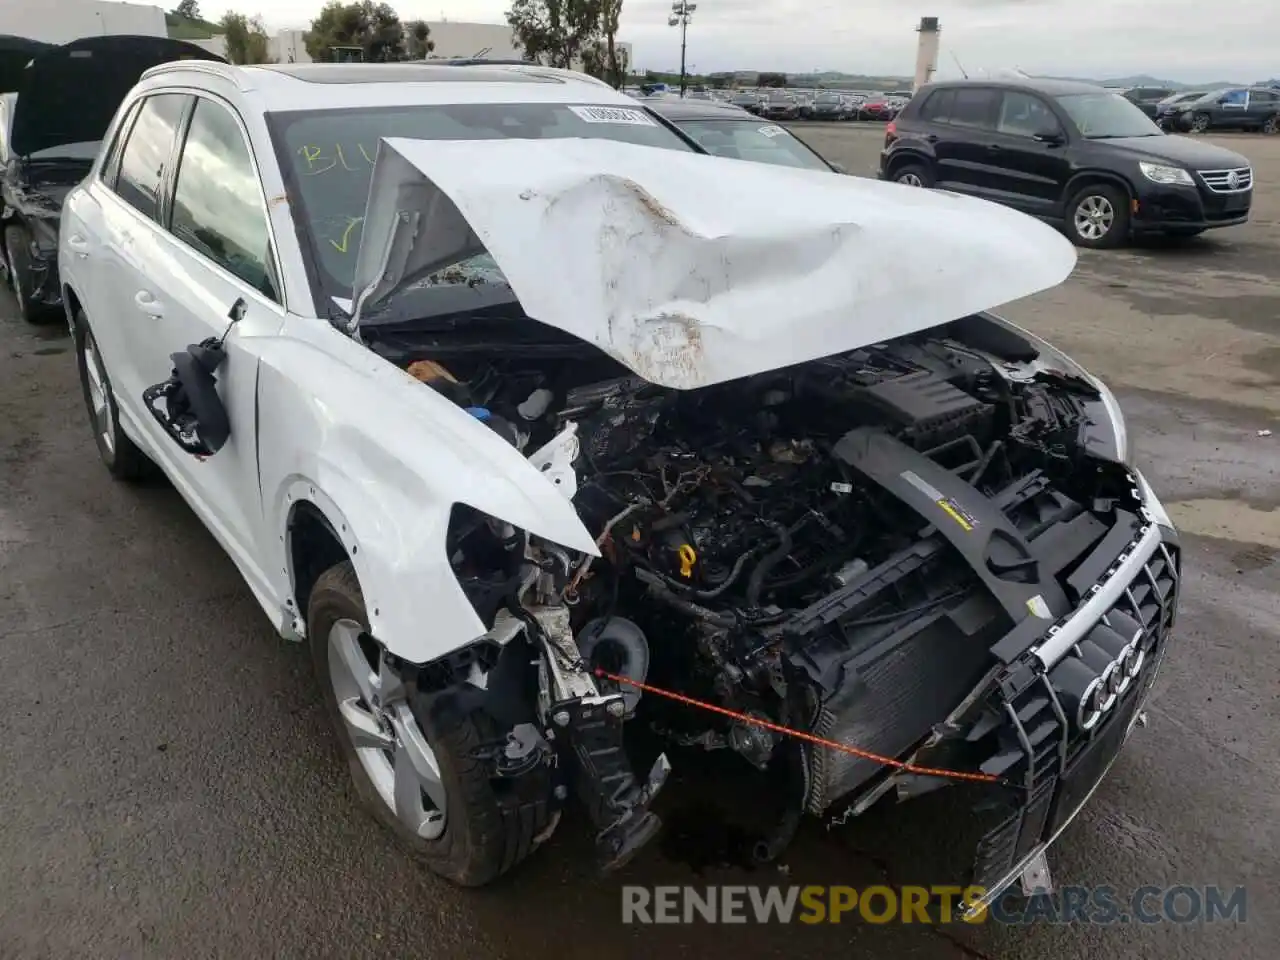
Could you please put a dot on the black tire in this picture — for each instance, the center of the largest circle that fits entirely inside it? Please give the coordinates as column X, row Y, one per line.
column 487, row 831
column 1271, row 126
column 1200, row 123
column 17, row 255
column 119, row 454
column 1117, row 228
column 913, row 174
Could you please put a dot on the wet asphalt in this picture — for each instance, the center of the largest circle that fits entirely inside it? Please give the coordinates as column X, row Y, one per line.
column 168, row 787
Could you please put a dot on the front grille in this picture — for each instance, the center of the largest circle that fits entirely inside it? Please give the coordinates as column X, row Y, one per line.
column 1040, row 744
column 1219, row 181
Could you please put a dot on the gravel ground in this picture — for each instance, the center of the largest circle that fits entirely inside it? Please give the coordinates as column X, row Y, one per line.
column 169, row 788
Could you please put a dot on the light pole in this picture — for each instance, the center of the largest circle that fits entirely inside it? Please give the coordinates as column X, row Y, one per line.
column 681, row 14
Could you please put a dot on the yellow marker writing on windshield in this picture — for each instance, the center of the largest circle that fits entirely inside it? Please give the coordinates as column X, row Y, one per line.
column 312, row 154
column 365, row 153
column 342, row 242
column 688, row 557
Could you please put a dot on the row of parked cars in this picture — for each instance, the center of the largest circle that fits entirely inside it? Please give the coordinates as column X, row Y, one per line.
column 415, row 444
column 786, row 104
column 1201, row 111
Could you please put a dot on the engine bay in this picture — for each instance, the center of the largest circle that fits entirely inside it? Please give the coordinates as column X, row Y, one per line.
column 832, row 547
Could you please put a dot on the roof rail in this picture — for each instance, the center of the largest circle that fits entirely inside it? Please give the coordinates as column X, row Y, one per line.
column 214, row 68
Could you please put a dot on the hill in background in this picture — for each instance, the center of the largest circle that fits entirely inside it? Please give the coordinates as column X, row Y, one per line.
column 190, row 28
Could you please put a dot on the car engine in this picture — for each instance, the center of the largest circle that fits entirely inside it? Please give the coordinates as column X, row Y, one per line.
column 831, row 548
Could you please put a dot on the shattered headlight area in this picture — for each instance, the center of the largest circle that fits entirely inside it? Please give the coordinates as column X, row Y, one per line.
column 902, row 550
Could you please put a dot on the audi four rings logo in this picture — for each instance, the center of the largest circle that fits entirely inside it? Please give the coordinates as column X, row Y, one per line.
column 1101, row 669
column 1117, row 676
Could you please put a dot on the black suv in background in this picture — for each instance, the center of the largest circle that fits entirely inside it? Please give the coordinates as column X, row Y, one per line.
column 1233, row 108
column 1069, row 153
column 1147, row 99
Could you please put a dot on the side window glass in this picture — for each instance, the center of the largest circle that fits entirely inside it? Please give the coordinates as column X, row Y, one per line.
column 1235, row 98
column 147, row 151
column 218, row 208
column 938, row 107
column 111, row 165
column 973, row 107
column 1023, row 115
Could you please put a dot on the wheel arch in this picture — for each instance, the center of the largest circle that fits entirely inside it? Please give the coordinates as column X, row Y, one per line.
column 904, row 156
column 312, row 546
column 1086, row 178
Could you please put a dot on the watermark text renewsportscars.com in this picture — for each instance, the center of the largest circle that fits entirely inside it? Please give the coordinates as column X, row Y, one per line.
column 1179, row 904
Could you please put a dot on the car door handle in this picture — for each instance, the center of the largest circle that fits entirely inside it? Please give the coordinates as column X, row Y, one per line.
column 148, row 304
column 931, row 138
column 79, row 245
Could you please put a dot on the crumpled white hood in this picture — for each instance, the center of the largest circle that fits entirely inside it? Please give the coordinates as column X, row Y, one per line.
column 691, row 269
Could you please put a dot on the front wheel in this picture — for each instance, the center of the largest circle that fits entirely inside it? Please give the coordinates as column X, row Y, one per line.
column 119, row 454
column 433, row 791
column 1271, row 126
column 1098, row 217
column 1200, row 123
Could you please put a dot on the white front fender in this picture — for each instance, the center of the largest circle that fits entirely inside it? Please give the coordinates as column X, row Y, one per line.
column 385, row 458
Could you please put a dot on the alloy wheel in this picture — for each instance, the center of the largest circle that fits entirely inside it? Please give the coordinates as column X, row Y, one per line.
column 1200, row 124
column 1094, row 217
column 1272, row 126
column 387, row 738
column 99, row 400
column 911, row 180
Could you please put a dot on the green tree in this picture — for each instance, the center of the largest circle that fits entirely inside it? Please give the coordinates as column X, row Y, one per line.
column 771, row 80
column 373, row 27
column 190, row 9
column 420, row 42
column 246, row 38
column 555, row 32
column 615, row 58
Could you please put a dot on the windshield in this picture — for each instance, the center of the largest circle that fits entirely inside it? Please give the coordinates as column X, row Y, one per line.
column 829, row 98
column 749, row 139
column 327, row 156
column 1104, row 116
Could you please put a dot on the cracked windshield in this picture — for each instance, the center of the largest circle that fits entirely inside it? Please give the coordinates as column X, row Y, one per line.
column 330, row 155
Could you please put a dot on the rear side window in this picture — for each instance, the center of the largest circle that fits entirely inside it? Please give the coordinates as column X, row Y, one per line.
column 1264, row 96
column 147, row 151
column 1024, row 115
column 962, row 107
column 218, row 208
column 1235, row 98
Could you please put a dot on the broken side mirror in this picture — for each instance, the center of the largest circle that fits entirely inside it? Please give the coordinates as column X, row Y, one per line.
column 187, row 405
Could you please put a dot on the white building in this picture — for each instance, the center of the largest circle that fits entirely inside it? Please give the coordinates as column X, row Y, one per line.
column 61, row 21
column 289, row 46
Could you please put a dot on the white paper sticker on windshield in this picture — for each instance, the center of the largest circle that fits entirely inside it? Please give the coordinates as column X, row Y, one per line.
column 772, row 131
column 636, row 118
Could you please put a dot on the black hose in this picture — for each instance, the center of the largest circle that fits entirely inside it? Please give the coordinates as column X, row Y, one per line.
column 770, row 848
column 755, row 583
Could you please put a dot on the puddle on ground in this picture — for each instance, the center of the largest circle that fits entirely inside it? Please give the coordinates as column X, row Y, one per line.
column 1227, row 520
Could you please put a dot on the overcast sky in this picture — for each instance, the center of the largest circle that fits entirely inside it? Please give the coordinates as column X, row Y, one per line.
column 1185, row 40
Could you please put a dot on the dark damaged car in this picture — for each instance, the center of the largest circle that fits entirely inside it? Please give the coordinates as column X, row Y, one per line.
column 56, row 107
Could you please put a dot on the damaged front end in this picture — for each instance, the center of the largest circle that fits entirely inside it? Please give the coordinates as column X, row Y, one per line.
column 848, row 539
column 910, row 549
